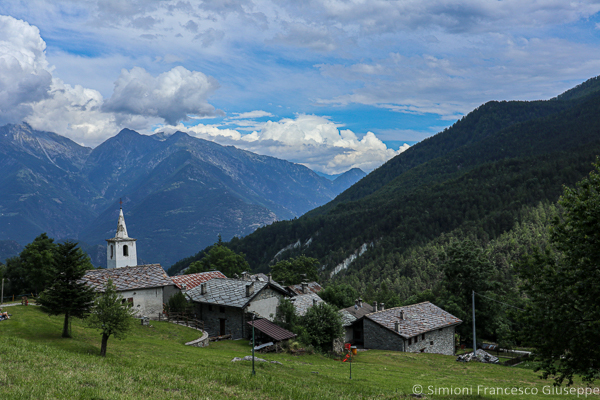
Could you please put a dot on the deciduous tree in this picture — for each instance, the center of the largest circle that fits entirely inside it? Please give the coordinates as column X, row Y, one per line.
column 295, row 270
column 111, row 314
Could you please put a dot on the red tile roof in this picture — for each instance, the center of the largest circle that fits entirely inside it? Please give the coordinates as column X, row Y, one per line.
column 193, row 280
column 275, row 332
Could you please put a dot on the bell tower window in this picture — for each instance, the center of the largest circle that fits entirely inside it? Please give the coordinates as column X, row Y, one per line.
column 111, row 251
column 125, row 251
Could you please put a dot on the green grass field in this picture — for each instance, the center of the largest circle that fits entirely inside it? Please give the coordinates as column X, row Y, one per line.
column 153, row 363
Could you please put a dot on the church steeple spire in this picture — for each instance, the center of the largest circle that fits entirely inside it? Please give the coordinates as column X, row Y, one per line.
column 121, row 228
column 120, row 250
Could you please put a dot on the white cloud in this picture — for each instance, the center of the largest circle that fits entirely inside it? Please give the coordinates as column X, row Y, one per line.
column 24, row 74
column 172, row 95
column 29, row 92
column 251, row 114
column 310, row 140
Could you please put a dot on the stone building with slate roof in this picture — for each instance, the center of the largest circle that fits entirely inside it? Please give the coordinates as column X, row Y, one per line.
column 226, row 305
column 303, row 302
column 146, row 287
column 422, row 327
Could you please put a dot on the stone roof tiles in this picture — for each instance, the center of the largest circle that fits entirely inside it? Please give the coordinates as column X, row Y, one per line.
column 226, row 292
column 193, row 280
column 418, row 318
column 359, row 312
column 303, row 302
column 128, row 278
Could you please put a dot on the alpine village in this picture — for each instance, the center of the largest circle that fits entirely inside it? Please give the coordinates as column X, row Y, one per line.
column 168, row 265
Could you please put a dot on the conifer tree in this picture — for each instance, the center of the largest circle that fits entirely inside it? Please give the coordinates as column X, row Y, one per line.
column 66, row 294
column 111, row 315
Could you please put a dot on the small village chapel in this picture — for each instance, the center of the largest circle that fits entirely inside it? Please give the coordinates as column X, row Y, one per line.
column 145, row 287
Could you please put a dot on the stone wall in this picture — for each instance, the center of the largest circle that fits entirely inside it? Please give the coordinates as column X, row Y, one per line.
column 378, row 337
column 265, row 303
column 212, row 315
column 439, row 341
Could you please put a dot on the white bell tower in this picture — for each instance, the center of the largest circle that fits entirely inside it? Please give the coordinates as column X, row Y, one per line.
column 120, row 250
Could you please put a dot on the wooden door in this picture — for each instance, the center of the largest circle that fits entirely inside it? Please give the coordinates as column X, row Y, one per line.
column 222, row 323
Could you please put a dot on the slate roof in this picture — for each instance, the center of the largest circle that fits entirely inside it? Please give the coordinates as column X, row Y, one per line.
column 347, row 318
column 260, row 277
column 227, row 292
column 128, row 278
column 359, row 312
column 312, row 287
column 304, row 301
column 275, row 332
column 193, row 280
column 418, row 318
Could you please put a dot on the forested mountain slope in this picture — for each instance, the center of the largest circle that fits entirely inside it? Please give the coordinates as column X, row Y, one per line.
column 475, row 177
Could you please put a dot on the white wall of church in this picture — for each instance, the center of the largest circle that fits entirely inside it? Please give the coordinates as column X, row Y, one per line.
column 146, row 302
column 115, row 254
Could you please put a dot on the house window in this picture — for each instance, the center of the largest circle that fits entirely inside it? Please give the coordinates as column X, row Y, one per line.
column 130, row 301
column 409, row 342
column 126, row 251
column 416, row 339
column 221, row 309
column 431, row 343
column 423, row 337
column 210, row 307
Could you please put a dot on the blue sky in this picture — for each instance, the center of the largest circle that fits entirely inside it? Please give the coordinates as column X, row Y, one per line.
column 330, row 84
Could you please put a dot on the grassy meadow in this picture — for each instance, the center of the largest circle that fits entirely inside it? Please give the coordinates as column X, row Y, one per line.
column 153, row 363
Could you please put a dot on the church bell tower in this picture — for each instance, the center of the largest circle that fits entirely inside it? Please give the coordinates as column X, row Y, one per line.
column 120, row 250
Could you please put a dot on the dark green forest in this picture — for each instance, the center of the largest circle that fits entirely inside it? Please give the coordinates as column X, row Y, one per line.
column 463, row 205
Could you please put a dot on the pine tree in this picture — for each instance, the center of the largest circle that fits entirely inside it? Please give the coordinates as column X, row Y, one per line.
column 66, row 294
column 111, row 314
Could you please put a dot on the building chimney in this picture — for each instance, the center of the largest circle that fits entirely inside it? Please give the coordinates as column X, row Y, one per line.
column 314, row 302
column 360, row 302
column 304, row 287
column 249, row 289
column 381, row 306
column 203, row 288
column 397, row 326
column 269, row 276
column 374, row 306
column 402, row 315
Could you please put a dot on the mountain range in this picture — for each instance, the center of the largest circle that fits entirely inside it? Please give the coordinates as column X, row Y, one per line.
column 476, row 179
column 178, row 192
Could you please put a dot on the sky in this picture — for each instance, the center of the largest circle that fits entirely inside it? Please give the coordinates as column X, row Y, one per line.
column 331, row 84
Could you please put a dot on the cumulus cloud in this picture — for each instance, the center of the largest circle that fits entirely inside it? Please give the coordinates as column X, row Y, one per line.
column 311, row 140
column 29, row 92
column 24, row 74
column 172, row 95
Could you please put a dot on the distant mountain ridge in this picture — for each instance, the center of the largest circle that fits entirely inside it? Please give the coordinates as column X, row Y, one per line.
column 179, row 192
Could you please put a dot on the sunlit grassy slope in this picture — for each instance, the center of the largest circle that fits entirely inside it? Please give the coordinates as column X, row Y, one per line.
column 153, row 363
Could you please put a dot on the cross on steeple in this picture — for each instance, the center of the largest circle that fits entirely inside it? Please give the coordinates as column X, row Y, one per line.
column 121, row 202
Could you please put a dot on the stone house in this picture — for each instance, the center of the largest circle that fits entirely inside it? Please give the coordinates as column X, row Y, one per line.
column 226, row 305
column 304, row 295
column 146, row 287
column 422, row 327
